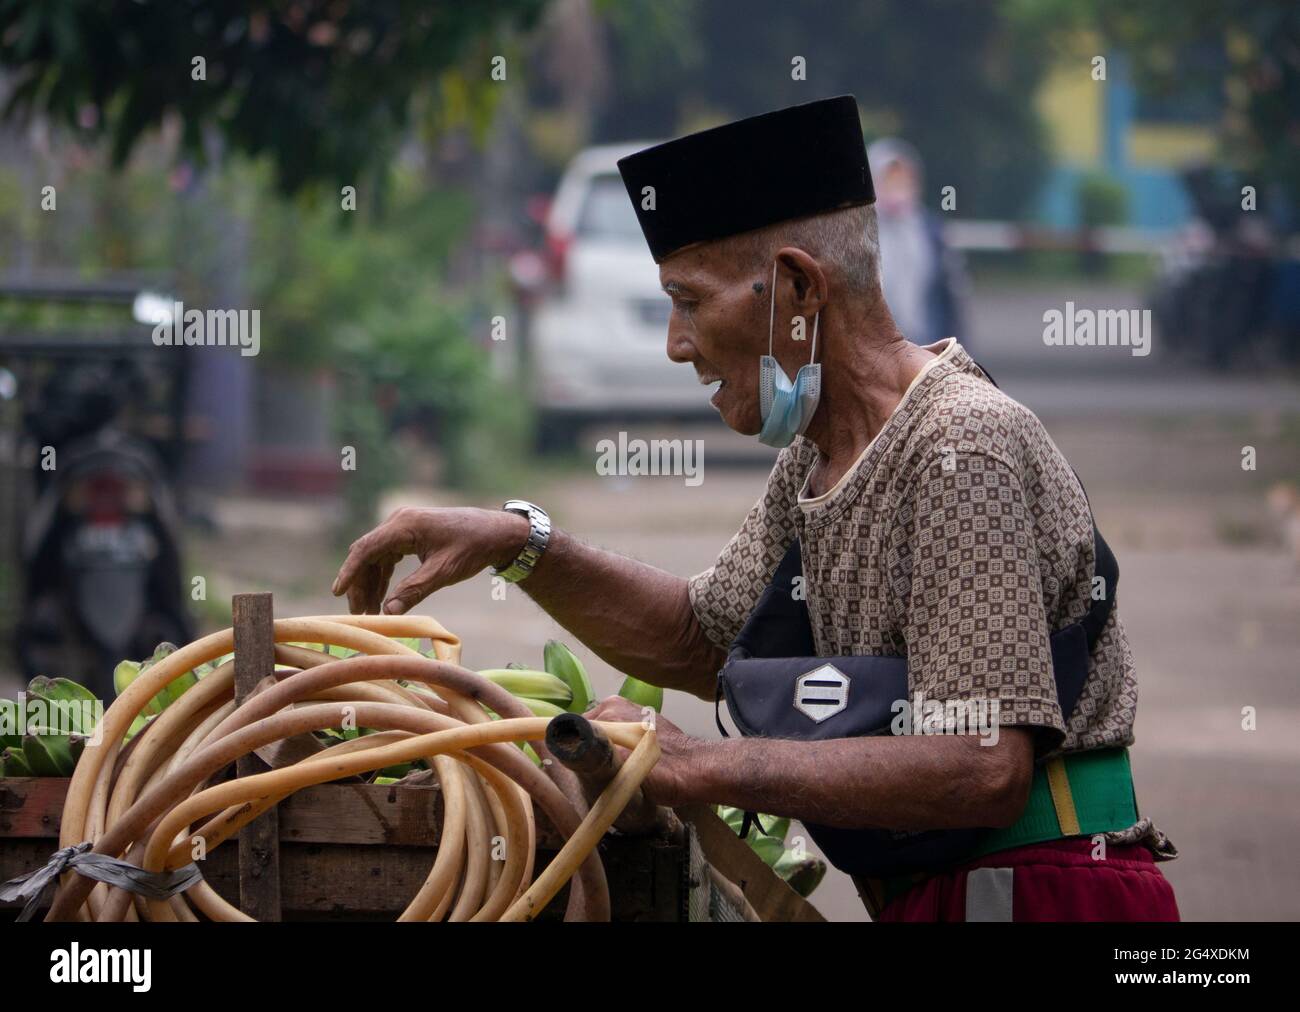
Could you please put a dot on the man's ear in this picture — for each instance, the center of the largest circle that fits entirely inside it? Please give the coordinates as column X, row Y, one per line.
column 807, row 278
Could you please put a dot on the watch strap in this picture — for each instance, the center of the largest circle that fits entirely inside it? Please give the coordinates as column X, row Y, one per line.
column 539, row 536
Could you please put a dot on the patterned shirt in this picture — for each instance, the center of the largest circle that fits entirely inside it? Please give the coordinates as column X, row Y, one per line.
column 960, row 539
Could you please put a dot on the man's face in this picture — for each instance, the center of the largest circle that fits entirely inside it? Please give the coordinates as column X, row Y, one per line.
column 719, row 325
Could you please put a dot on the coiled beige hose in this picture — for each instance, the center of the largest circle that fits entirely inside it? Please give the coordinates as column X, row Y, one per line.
column 143, row 801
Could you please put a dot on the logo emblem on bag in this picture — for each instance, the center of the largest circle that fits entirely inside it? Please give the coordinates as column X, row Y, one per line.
column 821, row 693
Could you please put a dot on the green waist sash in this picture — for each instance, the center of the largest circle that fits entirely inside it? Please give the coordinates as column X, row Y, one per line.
column 1075, row 795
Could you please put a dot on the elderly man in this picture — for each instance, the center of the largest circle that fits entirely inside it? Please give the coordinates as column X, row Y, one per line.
column 914, row 627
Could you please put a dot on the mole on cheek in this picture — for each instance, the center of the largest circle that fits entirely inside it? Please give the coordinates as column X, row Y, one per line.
column 758, row 287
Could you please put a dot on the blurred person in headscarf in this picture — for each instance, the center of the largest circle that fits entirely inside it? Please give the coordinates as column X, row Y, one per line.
column 924, row 281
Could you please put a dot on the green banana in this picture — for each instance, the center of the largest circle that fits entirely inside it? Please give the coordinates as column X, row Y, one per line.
column 533, row 684
column 48, row 755
column 127, row 672
column 642, row 693
column 560, row 661
column 69, row 697
column 159, row 652
column 776, row 827
column 174, row 689
column 177, row 687
column 766, row 847
column 124, row 674
column 802, row 874
column 137, row 725
column 15, row 763
column 541, row 707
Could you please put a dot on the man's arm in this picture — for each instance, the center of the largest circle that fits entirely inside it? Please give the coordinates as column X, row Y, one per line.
column 911, row 782
column 906, row 782
column 636, row 617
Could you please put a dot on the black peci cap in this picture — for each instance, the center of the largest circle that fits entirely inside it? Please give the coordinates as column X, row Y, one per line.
column 792, row 163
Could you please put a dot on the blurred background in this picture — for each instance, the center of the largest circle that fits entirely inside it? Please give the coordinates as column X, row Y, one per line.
column 421, row 202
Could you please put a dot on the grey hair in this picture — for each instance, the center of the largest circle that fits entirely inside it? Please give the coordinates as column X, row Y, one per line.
column 846, row 241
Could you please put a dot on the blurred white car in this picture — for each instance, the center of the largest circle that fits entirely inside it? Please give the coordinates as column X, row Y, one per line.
column 598, row 339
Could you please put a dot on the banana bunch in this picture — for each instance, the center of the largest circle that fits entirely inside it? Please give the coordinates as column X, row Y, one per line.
column 127, row 672
column 561, row 686
column 52, row 748
column 802, row 871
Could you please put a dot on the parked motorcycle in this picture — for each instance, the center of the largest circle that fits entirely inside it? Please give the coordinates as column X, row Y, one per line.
column 98, row 529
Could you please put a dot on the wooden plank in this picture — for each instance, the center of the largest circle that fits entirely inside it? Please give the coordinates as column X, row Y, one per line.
column 376, row 883
column 376, row 814
column 766, row 891
column 259, row 841
column 409, row 815
column 32, row 807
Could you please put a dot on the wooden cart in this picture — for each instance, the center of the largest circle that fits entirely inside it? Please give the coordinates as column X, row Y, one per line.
column 360, row 851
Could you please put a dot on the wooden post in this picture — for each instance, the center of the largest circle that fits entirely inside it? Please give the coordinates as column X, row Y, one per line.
column 259, row 841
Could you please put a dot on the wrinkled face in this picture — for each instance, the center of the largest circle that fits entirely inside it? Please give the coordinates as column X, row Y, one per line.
column 719, row 325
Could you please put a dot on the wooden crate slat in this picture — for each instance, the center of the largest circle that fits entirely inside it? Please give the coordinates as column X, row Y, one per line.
column 32, row 807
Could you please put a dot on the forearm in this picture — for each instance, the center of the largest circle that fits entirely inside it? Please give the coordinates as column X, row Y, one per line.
column 908, row 782
column 635, row 617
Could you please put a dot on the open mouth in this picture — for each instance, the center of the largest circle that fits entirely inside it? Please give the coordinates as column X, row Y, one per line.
column 710, row 381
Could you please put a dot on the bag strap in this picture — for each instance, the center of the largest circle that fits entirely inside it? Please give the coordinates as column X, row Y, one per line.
column 1106, row 567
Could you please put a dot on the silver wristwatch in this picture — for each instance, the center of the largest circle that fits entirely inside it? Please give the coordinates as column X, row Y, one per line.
column 539, row 535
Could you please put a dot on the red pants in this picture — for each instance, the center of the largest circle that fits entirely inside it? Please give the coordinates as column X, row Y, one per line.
column 1054, row 881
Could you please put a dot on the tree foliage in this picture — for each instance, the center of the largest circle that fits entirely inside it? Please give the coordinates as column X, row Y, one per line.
column 323, row 87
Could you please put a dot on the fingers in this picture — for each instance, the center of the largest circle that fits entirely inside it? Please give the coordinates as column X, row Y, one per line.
column 383, row 546
column 366, row 591
column 414, row 589
column 614, row 708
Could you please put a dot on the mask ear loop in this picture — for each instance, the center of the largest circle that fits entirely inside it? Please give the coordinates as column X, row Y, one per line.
column 771, row 320
column 813, row 357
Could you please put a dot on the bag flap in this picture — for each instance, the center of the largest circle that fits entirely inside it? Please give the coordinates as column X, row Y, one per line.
column 813, row 698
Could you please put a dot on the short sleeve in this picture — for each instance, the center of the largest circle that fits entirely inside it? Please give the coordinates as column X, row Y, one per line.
column 975, row 623
column 724, row 594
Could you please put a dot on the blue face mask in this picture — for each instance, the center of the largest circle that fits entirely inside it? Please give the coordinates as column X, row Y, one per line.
column 786, row 408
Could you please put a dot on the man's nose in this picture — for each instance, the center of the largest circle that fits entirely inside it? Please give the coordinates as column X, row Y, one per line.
column 680, row 348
